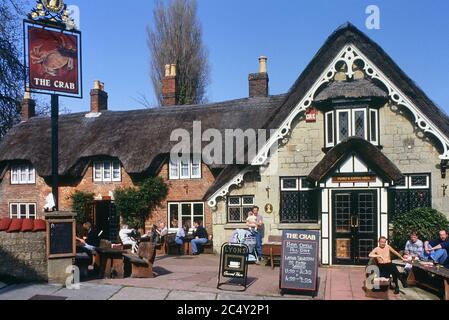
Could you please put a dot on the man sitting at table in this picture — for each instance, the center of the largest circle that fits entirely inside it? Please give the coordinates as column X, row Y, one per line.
column 200, row 237
column 436, row 250
column 91, row 241
column 414, row 250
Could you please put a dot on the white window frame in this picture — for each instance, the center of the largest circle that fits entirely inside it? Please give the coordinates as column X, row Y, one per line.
column 408, row 182
column 241, row 205
column 19, row 215
column 103, row 171
column 411, row 186
column 178, row 168
column 290, row 189
column 352, row 122
column 23, row 169
column 337, row 121
column 374, row 141
column 326, row 128
column 192, row 216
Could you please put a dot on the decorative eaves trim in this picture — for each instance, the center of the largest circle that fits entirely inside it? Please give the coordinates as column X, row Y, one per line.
column 348, row 55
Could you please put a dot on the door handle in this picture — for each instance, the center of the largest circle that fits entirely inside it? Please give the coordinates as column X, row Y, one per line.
column 354, row 221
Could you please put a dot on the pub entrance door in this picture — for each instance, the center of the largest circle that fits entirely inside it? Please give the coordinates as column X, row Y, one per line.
column 354, row 226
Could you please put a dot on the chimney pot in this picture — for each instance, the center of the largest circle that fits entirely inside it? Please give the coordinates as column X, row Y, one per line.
column 167, row 70
column 173, row 70
column 98, row 98
column 263, row 64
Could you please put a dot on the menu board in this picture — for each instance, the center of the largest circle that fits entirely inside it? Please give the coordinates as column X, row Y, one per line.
column 60, row 238
column 299, row 262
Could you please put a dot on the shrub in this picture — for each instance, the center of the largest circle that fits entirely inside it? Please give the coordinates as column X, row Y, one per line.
column 135, row 204
column 82, row 203
column 426, row 221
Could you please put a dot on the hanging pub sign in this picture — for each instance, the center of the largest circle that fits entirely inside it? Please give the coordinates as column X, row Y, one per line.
column 299, row 261
column 52, row 50
column 311, row 115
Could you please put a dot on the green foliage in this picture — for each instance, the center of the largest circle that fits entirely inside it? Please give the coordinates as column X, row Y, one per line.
column 135, row 204
column 426, row 221
column 82, row 203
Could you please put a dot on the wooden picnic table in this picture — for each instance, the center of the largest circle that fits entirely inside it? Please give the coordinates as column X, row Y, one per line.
column 111, row 263
column 435, row 278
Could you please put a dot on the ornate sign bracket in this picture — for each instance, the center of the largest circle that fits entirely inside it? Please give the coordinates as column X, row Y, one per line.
column 53, row 13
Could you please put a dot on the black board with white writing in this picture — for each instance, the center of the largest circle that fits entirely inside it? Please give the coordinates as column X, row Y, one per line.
column 299, row 263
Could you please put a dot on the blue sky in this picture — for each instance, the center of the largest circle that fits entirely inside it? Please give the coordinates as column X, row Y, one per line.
column 236, row 32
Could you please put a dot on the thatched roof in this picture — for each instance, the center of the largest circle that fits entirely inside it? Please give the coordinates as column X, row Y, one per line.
column 139, row 138
column 367, row 152
column 356, row 89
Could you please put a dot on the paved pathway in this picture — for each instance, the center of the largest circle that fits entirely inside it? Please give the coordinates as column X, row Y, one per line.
column 195, row 278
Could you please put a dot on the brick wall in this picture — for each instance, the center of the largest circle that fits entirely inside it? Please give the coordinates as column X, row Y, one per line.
column 23, row 256
column 179, row 191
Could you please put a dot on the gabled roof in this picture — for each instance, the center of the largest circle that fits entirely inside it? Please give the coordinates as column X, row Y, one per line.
column 349, row 34
column 137, row 138
column 367, row 152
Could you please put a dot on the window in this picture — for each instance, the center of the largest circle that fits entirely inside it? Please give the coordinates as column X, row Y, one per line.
column 298, row 201
column 23, row 174
column 22, row 211
column 107, row 171
column 185, row 212
column 330, row 129
column 239, row 208
column 359, row 122
column 185, row 169
column 412, row 192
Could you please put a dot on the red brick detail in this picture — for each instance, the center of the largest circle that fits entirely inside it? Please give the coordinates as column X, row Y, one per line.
column 28, row 109
column 169, row 91
column 258, row 85
column 98, row 100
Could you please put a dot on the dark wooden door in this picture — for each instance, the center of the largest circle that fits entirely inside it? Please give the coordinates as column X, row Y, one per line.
column 354, row 226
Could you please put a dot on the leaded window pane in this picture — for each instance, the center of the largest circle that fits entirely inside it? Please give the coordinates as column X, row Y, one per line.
column 248, row 200
column 359, row 124
column 373, row 126
column 234, row 201
column 343, row 121
column 290, row 183
column 419, row 181
column 235, row 214
column 330, row 127
column 289, row 207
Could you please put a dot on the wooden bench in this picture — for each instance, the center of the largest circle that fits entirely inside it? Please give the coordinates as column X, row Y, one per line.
column 272, row 250
column 435, row 278
column 141, row 265
column 82, row 261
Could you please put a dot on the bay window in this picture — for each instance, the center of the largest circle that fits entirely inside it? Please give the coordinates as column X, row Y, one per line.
column 341, row 124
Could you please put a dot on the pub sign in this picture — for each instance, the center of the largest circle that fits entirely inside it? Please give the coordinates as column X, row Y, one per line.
column 53, row 60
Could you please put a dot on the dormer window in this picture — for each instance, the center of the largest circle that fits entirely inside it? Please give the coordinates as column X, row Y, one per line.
column 23, row 174
column 343, row 123
column 107, row 171
column 185, row 169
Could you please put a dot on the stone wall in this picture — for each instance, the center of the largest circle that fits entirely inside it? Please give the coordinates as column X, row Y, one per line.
column 23, row 256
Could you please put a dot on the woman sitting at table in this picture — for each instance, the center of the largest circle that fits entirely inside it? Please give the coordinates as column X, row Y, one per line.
column 181, row 234
column 383, row 256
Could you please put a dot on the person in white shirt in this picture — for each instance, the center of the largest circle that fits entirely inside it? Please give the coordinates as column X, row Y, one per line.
column 162, row 230
column 126, row 239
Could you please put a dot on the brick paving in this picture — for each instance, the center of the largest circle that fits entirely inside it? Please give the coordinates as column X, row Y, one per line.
column 195, row 278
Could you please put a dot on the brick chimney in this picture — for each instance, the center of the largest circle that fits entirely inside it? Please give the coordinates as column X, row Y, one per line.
column 28, row 109
column 98, row 98
column 169, row 91
column 258, row 82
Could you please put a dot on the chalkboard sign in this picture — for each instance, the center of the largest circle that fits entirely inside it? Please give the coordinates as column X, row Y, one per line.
column 299, row 263
column 61, row 238
column 234, row 263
